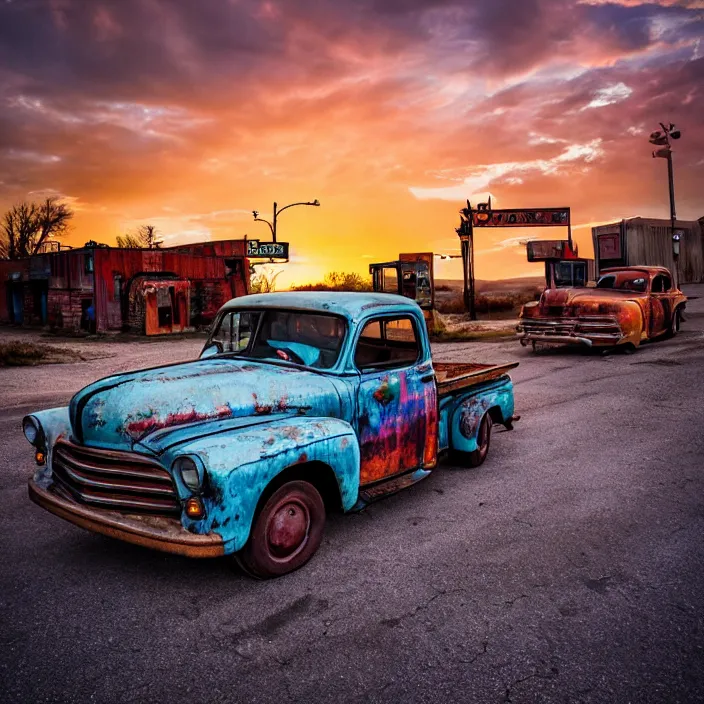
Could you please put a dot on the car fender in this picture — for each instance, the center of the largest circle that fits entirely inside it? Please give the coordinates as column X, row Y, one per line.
column 240, row 464
column 632, row 318
column 471, row 407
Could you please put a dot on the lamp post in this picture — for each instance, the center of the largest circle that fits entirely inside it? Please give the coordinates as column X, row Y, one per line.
column 661, row 139
column 277, row 212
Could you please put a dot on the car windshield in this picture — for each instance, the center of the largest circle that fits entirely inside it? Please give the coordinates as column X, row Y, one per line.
column 311, row 339
column 624, row 281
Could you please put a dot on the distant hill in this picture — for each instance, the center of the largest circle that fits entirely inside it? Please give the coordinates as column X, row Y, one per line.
column 521, row 283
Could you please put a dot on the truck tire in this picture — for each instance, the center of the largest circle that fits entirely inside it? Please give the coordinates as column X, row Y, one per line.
column 477, row 457
column 286, row 531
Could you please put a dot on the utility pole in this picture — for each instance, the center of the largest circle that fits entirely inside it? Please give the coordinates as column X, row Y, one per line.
column 662, row 140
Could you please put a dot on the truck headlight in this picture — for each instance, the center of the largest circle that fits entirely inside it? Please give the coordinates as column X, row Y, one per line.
column 33, row 431
column 188, row 471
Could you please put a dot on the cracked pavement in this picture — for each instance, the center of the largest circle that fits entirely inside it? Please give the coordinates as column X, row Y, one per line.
column 568, row 568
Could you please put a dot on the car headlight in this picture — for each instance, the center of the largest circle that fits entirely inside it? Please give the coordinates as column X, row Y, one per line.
column 33, row 431
column 188, row 471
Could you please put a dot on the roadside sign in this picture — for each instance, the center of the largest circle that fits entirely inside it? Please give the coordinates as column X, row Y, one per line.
column 542, row 250
column 267, row 250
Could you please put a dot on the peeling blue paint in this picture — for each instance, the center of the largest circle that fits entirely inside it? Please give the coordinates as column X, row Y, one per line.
column 469, row 409
column 241, row 464
column 245, row 421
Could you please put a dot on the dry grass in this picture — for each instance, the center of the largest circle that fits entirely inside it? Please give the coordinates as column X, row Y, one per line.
column 487, row 304
column 27, row 354
column 338, row 281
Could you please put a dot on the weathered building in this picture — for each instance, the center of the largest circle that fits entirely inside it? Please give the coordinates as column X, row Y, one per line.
column 151, row 291
column 648, row 242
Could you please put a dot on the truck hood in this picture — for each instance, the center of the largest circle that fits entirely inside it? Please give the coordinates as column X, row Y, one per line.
column 120, row 411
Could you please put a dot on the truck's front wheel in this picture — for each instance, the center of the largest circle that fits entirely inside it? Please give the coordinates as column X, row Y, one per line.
column 286, row 531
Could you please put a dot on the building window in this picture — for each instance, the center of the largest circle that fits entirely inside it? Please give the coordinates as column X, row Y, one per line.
column 88, row 263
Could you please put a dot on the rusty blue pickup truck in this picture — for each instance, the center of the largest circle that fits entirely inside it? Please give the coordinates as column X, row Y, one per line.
column 300, row 403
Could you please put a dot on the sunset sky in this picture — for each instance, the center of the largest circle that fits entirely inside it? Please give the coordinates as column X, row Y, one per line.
column 190, row 114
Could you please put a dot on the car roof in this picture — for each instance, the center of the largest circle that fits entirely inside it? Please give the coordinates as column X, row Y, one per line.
column 353, row 305
column 647, row 269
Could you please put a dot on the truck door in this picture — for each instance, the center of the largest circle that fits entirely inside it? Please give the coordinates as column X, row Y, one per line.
column 396, row 401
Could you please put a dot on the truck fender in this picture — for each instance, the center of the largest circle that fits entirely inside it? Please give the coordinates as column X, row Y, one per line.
column 56, row 425
column 497, row 400
column 240, row 464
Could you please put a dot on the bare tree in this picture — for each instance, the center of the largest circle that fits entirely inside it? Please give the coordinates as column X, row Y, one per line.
column 26, row 226
column 144, row 237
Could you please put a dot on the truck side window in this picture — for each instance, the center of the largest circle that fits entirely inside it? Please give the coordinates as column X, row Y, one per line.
column 387, row 343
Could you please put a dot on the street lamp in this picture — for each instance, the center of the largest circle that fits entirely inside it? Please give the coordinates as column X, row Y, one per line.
column 662, row 139
column 277, row 212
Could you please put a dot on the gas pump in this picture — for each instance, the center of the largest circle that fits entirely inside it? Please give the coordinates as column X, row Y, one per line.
column 411, row 275
column 564, row 268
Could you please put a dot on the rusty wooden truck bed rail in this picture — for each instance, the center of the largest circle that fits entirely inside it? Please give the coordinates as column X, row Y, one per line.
column 452, row 377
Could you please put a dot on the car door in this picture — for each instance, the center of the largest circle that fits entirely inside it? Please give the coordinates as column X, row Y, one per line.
column 659, row 303
column 396, row 399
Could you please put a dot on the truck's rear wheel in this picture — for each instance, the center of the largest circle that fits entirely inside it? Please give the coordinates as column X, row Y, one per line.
column 286, row 531
column 477, row 457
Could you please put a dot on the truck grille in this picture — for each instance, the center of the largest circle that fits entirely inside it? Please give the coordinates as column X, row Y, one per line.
column 119, row 481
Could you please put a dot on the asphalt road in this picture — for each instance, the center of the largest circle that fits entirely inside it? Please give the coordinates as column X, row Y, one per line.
column 568, row 568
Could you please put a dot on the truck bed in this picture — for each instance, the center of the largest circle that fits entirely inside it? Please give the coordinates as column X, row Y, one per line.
column 452, row 377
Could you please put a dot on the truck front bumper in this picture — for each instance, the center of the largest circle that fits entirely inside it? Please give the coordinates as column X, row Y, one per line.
column 157, row 532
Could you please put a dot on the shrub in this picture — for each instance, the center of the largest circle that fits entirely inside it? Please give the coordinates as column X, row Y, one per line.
column 338, row 281
column 19, row 354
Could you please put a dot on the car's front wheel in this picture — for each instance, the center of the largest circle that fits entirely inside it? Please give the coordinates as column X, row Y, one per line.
column 286, row 531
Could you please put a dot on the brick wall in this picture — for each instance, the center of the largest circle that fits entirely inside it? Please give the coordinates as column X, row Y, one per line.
column 64, row 309
column 207, row 297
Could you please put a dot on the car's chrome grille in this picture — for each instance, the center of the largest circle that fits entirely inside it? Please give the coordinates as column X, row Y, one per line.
column 120, row 481
column 592, row 327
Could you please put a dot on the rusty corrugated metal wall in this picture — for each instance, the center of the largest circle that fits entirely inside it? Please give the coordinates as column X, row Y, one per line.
column 203, row 264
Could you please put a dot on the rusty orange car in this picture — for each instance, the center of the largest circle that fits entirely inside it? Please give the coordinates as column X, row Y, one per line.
column 627, row 306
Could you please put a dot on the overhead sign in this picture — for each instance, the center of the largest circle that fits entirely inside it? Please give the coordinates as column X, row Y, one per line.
column 523, row 217
column 267, row 250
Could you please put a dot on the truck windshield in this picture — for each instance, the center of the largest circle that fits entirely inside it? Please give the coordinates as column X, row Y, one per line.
column 311, row 339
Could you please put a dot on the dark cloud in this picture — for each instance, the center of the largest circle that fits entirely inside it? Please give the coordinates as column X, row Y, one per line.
column 127, row 100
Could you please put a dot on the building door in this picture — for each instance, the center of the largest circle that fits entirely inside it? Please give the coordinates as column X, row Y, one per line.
column 16, row 302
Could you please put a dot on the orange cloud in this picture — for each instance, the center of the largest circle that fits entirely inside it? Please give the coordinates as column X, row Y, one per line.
column 392, row 114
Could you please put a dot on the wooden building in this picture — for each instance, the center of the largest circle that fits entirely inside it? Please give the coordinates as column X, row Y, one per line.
column 649, row 242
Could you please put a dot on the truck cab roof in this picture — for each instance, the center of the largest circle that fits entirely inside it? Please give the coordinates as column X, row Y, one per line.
column 351, row 305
